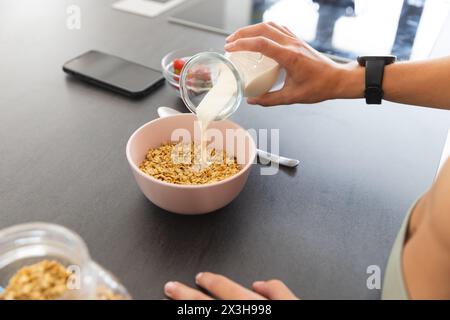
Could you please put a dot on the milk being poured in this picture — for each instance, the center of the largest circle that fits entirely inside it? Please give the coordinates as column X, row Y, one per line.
column 259, row 73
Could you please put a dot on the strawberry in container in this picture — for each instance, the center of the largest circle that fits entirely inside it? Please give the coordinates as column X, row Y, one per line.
column 178, row 65
column 200, row 77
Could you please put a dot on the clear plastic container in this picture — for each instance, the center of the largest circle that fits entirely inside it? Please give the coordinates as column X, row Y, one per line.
column 248, row 74
column 31, row 243
column 167, row 67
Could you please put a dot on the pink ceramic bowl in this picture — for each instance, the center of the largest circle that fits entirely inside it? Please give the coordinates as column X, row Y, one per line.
column 190, row 199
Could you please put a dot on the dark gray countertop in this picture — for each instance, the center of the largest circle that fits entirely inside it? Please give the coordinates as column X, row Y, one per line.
column 62, row 147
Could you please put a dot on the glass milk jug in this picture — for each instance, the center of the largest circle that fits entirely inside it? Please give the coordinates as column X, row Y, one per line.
column 214, row 85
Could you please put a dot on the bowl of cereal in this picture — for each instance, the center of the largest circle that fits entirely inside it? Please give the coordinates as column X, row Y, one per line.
column 179, row 174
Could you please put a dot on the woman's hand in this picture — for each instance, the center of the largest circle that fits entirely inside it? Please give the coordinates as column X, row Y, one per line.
column 310, row 76
column 221, row 287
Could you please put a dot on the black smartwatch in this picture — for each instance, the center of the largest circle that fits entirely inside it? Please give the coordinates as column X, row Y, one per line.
column 374, row 76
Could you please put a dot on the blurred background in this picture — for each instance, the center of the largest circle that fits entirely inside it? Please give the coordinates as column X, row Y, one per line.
column 345, row 28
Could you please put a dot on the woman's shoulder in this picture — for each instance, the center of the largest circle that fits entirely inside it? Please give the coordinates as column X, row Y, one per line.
column 438, row 203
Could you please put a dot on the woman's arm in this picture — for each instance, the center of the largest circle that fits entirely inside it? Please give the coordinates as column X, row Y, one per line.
column 426, row 255
column 312, row 77
column 423, row 83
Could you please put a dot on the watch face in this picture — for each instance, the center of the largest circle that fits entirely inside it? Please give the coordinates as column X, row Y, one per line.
column 387, row 59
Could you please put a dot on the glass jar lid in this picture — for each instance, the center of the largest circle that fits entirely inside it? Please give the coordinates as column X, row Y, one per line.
column 212, row 81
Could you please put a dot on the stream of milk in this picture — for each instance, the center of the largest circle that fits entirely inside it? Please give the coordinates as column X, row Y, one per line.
column 259, row 74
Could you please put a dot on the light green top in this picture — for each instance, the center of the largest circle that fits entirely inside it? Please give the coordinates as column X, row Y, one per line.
column 394, row 283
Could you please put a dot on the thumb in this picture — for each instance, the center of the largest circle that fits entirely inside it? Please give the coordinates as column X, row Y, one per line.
column 269, row 99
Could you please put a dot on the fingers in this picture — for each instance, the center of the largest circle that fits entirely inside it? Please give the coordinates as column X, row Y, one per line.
column 223, row 288
column 263, row 45
column 178, row 291
column 274, row 290
column 283, row 29
column 269, row 99
column 268, row 30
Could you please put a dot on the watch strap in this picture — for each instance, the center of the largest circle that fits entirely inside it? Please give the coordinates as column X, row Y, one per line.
column 374, row 80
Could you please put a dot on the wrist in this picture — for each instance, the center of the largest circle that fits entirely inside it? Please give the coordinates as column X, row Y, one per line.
column 350, row 81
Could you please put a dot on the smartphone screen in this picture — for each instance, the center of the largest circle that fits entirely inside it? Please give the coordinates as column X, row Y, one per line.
column 114, row 73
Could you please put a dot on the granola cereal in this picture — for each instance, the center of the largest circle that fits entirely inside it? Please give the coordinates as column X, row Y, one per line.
column 45, row 280
column 180, row 163
column 106, row 294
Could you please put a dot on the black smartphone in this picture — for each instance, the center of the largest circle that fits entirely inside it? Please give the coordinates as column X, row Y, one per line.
column 114, row 73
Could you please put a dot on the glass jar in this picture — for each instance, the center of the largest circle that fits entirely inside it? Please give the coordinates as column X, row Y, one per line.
column 31, row 243
column 235, row 75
